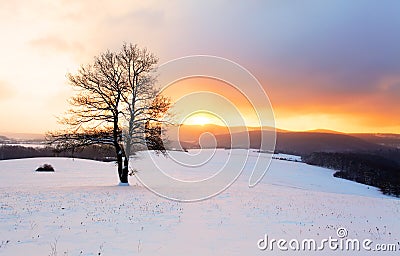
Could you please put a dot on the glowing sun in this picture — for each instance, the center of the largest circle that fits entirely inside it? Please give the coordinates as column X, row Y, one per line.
column 198, row 119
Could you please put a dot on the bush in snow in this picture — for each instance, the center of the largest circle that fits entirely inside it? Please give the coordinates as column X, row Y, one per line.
column 45, row 168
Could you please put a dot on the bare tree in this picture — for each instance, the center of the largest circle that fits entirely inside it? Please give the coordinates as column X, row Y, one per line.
column 116, row 104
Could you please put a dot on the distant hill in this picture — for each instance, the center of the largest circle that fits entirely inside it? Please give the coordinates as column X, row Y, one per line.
column 303, row 143
column 3, row 138
column 325, row 131
column 300, row 143
column 388, row 140
column 23, row 136
column 189, row 135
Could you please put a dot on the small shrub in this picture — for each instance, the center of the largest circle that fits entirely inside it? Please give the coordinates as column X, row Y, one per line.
column 45, row 168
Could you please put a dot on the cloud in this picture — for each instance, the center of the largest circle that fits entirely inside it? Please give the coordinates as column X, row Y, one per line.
column 52, row 44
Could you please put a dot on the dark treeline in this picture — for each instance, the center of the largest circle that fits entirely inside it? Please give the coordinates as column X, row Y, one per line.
column 99, row 153
column 390, row 153
column 374, row 168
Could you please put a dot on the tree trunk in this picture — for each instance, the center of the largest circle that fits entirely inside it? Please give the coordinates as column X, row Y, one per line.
column 122, row 173
column 125, row 170
column 120, row 163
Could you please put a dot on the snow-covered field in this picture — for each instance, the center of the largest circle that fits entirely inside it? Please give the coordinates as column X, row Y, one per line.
column 79, row 210
column 27, row 145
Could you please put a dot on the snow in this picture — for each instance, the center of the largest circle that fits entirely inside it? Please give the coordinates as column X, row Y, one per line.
column 27, row 145
column 123, row 184
column 287, row 157
column 80, row 210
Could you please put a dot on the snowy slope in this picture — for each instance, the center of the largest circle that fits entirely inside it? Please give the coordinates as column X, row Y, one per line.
column 79, row 210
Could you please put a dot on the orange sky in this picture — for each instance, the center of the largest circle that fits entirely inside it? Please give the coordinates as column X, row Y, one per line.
column 332, row 65
column 298, row 112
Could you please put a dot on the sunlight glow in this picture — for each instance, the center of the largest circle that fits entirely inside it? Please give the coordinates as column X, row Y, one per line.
column 197, row 120
column 202, row 119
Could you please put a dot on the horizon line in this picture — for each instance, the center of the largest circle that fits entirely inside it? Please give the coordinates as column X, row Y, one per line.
column 277, row 129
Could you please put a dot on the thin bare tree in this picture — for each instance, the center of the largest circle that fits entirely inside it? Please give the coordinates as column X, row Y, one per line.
column 116, row 104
